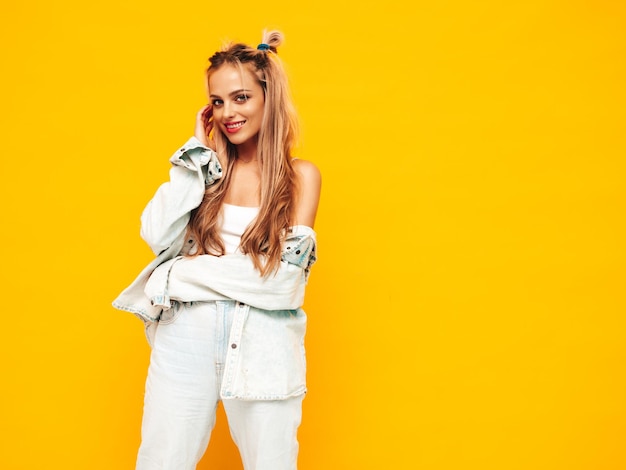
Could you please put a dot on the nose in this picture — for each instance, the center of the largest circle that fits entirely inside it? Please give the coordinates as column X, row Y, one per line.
column 228, row 109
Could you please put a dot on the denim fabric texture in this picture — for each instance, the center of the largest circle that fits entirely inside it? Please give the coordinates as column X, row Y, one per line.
column 187, row 371
column 268, row 361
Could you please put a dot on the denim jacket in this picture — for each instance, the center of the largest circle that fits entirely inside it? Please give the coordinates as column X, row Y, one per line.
column 269, row 323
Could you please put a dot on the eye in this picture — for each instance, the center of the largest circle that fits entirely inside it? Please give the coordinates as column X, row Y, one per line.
column 217, row 102
column 241, row 98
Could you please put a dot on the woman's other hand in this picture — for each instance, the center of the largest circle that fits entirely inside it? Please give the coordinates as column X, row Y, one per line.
column 204, row 126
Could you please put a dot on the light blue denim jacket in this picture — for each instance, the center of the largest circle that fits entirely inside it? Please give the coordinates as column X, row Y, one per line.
column 269, row 324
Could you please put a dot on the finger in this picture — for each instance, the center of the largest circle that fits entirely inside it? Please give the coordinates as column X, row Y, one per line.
column 202, row 110
column 207, row 112
column 207, row 119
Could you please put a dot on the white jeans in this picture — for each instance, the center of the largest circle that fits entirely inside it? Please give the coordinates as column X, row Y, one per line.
column 182, row 393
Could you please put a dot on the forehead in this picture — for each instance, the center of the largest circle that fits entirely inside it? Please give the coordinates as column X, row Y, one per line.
column 229, row 78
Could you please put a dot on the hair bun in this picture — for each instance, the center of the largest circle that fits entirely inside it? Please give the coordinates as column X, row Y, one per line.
column 273, row 39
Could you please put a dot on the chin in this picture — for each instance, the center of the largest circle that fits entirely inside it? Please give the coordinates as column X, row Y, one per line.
column 238, row 140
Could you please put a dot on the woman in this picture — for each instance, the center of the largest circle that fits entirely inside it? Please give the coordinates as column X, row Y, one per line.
column 233, row 233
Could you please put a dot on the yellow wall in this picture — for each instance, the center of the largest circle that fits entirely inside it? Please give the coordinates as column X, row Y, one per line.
column 467, row 311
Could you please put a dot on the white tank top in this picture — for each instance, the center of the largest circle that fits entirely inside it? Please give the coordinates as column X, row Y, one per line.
column 235, row 220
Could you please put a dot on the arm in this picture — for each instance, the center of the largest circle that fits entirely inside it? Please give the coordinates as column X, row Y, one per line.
column 167, row 214
column 206, row 277
column 234, row 277
column 194, row 166
column 309, row 184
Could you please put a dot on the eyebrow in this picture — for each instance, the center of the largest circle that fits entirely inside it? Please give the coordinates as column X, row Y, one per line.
column 232, row 93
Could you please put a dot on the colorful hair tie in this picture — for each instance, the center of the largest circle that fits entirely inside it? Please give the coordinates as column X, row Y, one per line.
column 263, row 47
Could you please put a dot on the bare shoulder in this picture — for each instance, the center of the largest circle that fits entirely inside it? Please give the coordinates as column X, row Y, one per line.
column 307, row 172
column 309, row 188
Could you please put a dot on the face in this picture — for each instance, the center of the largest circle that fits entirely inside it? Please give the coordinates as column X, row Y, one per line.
column 237, row 100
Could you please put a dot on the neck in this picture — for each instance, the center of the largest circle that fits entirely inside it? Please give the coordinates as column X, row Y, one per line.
column 244, row 159
column 247, row 152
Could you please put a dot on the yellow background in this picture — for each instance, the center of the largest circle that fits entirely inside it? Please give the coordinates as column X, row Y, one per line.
column 467, row 310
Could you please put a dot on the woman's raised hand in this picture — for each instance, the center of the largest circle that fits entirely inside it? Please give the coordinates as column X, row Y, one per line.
column 204, row 126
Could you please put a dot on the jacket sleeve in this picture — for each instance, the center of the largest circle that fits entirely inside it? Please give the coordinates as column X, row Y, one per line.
column 234, row 277
column 206, row 277
column 166, row 216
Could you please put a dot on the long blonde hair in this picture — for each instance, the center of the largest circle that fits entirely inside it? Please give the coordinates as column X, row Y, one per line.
column 262, row 240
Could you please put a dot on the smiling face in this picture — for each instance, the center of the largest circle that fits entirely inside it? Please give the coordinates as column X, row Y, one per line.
column 238, row 102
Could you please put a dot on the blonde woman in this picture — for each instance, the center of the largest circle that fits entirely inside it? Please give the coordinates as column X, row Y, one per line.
column 233, row 233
